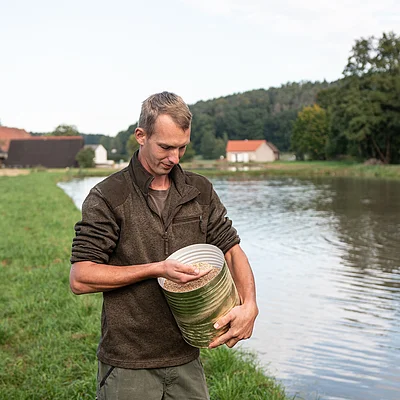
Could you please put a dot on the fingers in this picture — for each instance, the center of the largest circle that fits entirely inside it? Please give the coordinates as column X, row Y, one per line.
column 193, row 270
column 240, row 328
column 183, row 273
column 227, row 336
column 223, row 321
column 230, row 338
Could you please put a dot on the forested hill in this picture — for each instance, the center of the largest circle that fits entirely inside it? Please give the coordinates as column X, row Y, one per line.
column 257, row 114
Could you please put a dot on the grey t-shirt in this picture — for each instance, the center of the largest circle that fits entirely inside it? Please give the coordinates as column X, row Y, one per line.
column 158, row 199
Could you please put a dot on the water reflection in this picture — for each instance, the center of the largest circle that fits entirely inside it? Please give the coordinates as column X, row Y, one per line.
column 326, row 257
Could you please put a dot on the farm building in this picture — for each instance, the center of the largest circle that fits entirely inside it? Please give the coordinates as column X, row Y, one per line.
column 251, row 150
column 45, row 151
column 8, row 134
column 100, row 155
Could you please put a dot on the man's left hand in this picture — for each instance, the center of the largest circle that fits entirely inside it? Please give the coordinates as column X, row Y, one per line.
column 241, row 322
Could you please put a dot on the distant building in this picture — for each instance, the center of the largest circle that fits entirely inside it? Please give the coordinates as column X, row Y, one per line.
column 45, row 151
column 8, row 134
column 100, row 155
column 251, row 150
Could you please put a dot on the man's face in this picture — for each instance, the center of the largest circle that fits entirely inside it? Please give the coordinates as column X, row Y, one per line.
column 160, row 152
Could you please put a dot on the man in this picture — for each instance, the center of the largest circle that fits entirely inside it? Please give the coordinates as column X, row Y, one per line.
column 131, row 222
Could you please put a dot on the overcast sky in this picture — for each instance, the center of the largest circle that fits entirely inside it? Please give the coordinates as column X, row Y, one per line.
column 90, row 63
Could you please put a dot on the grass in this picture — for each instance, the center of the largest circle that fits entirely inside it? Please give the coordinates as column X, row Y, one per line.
column 275, row 169
column 48, row 336
column 298, row 169
column 236, row 375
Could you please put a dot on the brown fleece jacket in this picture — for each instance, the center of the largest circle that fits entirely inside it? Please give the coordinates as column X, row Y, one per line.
column 119, row 227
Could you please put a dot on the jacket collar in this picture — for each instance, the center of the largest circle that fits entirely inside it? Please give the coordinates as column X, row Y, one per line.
column 143, row 179
column 139, row 174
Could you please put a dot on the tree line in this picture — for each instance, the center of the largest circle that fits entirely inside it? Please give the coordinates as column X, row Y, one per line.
column 356, row 117
column 359, row 116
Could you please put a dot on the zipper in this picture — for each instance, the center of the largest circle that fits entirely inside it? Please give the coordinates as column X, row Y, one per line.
column 166, row 247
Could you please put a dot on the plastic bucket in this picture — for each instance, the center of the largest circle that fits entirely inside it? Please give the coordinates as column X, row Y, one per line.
column 196, row 311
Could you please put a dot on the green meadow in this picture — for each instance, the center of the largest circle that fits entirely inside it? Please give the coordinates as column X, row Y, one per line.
column 48, row 336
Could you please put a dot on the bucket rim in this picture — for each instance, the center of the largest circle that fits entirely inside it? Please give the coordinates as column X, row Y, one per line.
column 176, row 255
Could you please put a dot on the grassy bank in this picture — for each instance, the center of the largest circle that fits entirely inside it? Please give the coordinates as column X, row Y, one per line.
column 298, row 169
column 281, row 168
column 48, row 336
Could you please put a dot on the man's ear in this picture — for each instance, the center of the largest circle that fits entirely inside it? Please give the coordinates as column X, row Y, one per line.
column 140, row 135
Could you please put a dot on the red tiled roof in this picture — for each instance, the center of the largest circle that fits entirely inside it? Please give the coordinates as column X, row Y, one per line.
column 8, row 134
column 244, row 145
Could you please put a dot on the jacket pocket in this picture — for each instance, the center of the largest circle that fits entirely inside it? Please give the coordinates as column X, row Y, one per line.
column 191, row 219
column 187, row 230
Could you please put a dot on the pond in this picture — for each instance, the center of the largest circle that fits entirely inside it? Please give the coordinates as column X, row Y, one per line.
column 326, row 258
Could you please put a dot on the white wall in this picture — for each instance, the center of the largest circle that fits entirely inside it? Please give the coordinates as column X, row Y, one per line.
column 264, row 153
column 100, row 155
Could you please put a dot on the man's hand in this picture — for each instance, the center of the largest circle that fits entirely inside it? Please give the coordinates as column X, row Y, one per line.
column 241, row 318
column 241, row 322
column 182, row 273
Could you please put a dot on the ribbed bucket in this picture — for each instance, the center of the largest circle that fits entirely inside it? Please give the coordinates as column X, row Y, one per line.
column 196, row 311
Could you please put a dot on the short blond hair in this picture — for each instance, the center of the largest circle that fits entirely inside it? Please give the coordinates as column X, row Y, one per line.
column 164, row 103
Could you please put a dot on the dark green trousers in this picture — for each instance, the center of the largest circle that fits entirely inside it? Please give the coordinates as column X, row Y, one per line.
column 184, row 382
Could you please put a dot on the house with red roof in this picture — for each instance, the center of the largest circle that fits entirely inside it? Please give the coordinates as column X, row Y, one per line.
column 8, row 134
column 44, row 151
column 251, row 150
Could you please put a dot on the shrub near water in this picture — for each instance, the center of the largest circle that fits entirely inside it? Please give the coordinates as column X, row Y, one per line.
column 48, row 336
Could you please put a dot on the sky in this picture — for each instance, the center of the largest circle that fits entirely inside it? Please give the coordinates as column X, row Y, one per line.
column 91, row 63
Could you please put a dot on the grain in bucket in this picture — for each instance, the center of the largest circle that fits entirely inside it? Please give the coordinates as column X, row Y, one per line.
column 202, row 303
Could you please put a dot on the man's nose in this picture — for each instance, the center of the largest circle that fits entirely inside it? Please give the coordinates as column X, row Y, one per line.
column 173, row 156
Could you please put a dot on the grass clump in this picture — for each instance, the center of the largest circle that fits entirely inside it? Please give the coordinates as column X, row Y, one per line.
column 234, row 374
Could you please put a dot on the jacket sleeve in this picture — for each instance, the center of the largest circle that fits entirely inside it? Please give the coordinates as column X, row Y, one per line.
column 220, row 231
column 96, row 235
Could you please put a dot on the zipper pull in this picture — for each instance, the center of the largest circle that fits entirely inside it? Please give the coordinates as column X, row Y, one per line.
column 202, row 229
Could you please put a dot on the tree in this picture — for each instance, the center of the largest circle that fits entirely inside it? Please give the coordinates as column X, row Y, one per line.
column 310, row 133
column 212, row 148
column 132, row 145
column 85, row 158
column 374, row 55
column 364, row 107
column 189, row 153
column 65, row 130
column 373, row 88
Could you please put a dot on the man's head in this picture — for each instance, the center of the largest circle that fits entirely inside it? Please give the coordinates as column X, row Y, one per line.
column 163, row 133
column 164, row 103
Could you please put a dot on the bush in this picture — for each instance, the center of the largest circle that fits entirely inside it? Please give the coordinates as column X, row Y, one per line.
column 85, row 158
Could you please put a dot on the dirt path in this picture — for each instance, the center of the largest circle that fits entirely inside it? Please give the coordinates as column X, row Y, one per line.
column 13, row 171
